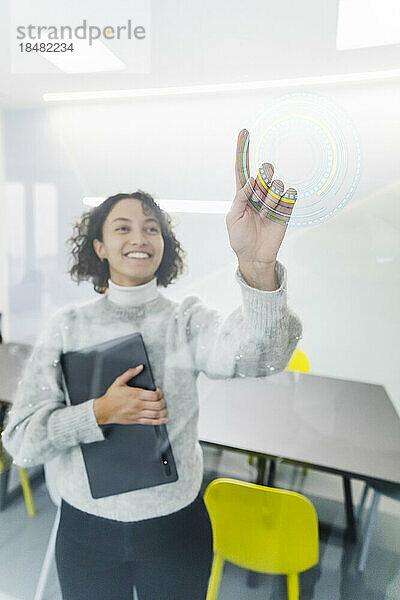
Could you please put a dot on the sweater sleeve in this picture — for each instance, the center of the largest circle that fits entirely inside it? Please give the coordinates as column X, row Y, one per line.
column 39, row 424
column 257, row 339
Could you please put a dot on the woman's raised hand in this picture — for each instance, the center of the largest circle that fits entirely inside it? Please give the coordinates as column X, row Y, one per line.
column 256, row 232
column 125, row 404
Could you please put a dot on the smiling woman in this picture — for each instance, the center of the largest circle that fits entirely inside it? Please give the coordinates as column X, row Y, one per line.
column 158, row 538
column 104, row 239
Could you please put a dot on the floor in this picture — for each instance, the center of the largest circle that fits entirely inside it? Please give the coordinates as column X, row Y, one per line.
column 24, row 540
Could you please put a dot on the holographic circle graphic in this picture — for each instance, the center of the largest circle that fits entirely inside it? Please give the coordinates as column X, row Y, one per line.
column 313, row 147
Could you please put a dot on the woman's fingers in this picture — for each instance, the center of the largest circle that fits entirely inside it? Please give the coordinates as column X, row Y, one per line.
column 286, row 205
column 145, row 421
column 267, row 196
column 158, row 405
column 154, row 414
column 264, row 177
column 262, row 184
column 272, row 198
column 289, row 198
column 242, row 163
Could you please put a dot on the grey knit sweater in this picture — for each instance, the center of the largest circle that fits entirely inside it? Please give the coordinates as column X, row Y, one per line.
column 182, row 339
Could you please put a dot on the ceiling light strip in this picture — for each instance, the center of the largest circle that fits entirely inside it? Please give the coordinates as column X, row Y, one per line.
column 222, row 87
column 179, row 206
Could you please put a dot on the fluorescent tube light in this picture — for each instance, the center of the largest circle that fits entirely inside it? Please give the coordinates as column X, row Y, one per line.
column 92, row 201
column 223, row 87
column 180, row 206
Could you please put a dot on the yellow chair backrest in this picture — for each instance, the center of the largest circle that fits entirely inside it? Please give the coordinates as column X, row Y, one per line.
column 299, row 362
column 264, row 529
column 260, row 528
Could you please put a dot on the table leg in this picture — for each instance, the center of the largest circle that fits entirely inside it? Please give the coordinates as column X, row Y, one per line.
column 261, row 462
column 351, row 531
column 252, row 576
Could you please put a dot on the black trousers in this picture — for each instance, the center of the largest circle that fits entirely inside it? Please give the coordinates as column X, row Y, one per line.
column 166, row 558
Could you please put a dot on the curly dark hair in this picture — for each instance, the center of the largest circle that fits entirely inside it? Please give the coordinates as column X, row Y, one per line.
column 86, row 263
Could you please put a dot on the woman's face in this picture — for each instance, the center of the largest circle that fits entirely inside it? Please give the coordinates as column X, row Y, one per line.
column 128, row 229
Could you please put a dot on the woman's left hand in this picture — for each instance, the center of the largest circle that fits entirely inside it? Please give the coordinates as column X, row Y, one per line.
column 255, row 234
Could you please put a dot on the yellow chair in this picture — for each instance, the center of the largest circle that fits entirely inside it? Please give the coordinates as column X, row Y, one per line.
column 298, row 362
column 26, row 488
column 5, row 465
column 263, row 529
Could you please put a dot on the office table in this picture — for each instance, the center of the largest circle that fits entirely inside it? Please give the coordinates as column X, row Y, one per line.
column 340, row 426
column 349, row 428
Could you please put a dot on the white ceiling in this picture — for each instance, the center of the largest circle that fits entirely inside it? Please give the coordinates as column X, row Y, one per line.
column 203, row 42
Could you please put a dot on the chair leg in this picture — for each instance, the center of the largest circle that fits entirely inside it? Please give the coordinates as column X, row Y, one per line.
column 371, row 519
column 215, row 577
column 260, row 464
column 293, row 586
column 26, row 488
column 360, row 509
column 4, row 477
column 271, row 473
column 44, row 573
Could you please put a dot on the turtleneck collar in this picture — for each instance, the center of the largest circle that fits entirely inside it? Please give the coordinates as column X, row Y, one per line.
column 134, row 294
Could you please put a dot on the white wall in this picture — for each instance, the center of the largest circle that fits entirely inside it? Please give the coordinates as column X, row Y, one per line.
column 343, row 276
